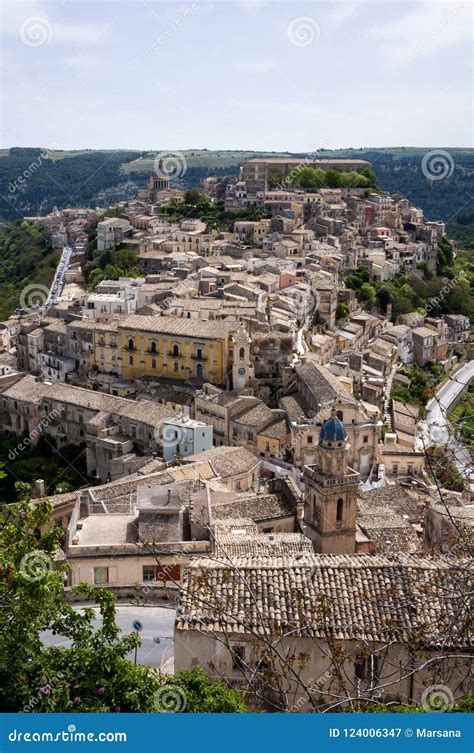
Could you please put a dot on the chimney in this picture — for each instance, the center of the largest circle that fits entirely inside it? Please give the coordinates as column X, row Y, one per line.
column 40, row 490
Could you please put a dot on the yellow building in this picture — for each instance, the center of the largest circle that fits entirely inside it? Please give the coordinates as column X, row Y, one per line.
column 175, row 348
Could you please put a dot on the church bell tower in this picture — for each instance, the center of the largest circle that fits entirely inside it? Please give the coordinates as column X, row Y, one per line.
column 331, row 492
column 241, row 368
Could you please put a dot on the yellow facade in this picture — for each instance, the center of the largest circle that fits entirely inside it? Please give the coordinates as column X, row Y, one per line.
column 174, row 356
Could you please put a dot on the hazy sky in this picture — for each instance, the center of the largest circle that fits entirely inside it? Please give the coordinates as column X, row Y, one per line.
column 295, row 76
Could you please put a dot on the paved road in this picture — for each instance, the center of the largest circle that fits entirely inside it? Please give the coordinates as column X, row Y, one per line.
column 157, row 622
column 437, row 425
column 60, row 276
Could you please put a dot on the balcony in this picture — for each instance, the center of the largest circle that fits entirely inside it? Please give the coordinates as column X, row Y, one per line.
column 152, row 352
column 199, row 358
column 172, row 354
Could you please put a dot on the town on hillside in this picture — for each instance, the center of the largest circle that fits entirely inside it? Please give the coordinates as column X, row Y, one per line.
column 249, row 406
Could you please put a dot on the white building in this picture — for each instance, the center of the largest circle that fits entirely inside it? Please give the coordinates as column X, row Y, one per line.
column 110, row 304
column 112, row 231
column 183, row 436
column 55, row 367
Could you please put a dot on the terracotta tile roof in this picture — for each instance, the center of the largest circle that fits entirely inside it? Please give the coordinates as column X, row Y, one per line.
column 257, row 507
column 226, row 461
column 361, row 597
column 177, row 326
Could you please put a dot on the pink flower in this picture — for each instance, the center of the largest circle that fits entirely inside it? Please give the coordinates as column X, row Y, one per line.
column 77, row 700
column 101, row 691
column 117, row 708
column 46, row 689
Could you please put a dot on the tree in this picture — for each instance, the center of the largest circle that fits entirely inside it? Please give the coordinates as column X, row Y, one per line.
column 199, row 694
column 94, row 673
column 366, row 293
column 342, row 310
column 194, row 196
column 276, row 177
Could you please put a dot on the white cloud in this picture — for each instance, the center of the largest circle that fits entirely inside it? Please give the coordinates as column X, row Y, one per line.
column 423, row 30
column 341, row 12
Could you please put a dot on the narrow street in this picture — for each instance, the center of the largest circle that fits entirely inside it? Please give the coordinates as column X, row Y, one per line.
column 59, row 276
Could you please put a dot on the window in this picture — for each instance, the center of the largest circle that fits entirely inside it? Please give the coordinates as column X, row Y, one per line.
column 131, row 343
column 153, row 347
column 366, row 439
column 101, row 576
column 198, row 352
column 238, row 657
column 175, row 366
column 175, row 350
column 310, row 439
column 148, row 572
column 130, row 360
column 153, row 363
column 340, row 508
column 366, row 668
column 242, row 354
column 340, row 415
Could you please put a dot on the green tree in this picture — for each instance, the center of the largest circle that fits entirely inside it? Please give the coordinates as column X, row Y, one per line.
column 366, row 293
column 342, row 310
column 94, row 673
column 200, row 694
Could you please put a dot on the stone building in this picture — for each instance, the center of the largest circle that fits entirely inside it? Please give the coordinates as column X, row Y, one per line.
column 331, row 492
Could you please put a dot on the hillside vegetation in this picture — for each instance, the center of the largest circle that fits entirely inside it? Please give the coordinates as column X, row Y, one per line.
column 25, row 259
column 97, row 178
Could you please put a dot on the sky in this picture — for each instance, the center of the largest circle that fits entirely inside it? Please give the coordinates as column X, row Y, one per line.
column 235, row 74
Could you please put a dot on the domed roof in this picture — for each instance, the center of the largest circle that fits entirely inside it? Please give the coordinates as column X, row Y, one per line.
column 333, row 430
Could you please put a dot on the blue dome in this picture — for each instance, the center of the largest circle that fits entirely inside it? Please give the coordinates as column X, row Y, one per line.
column 333, row 430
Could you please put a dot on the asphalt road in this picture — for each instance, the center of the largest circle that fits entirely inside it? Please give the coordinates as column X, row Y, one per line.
column 157, row 625
column 436, row 417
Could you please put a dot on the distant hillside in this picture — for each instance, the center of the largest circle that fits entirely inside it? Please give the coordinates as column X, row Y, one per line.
column 99, row 178
column 33, row 181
